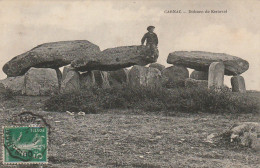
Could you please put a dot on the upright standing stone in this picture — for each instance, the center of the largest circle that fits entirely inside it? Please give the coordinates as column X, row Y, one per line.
column 101, row 78
column 174, row 76
column 59, row 76
column 157, row 65
column 70, row 80
column 216, row 75
column 14, row 84
column 87, row 80
column 118, row 77
column 199, row 75
column 41, row 81
column 144, row 76
column 238, row 84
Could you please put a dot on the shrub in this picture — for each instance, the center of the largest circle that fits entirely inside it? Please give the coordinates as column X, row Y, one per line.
column 153, row 99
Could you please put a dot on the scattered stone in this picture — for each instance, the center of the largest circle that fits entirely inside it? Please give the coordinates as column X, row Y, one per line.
column 201, row 61
column 144, row 76
column 41, row 82
column 190, row 83
column 14, row 84
column 50, row 55
column 199, row 75
column 118, row 77
column 116, row 58
column 81, row 113
column 216, row 75
column 157, row 65
column 174, row 76
column 238, row 84
column 247, row 134
column 210, row 138
column 70, row 113
column 70, row 80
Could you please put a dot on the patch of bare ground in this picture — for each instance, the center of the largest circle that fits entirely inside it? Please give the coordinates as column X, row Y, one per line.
column 130, row 138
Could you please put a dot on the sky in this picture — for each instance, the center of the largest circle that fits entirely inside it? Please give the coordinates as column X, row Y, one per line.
column 108, row 24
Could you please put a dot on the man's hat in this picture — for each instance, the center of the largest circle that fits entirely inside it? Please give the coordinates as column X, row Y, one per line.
column 150, row 27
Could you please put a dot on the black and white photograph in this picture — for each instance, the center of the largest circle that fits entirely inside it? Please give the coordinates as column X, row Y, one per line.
column 130, row 83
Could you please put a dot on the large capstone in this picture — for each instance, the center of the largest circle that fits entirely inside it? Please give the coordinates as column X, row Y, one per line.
column 50, row 55
column 116, row 58
column 14, row 84
column 174, row 76
column 200, row 61
column 144, row 76
column 41, row 82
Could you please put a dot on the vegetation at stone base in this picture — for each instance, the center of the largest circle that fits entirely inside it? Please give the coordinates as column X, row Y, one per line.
column 95, row 100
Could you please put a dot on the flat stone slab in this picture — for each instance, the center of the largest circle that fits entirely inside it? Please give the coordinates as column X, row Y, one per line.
column 116, row 58
column 49, row 55
column 200, row 61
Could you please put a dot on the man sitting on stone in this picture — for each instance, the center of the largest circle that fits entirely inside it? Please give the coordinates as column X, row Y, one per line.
column 151, row 39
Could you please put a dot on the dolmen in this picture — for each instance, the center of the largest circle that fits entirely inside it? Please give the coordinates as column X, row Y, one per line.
column 37, row 72
column 212, row 67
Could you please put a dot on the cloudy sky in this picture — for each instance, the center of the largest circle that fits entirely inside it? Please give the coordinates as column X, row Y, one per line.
column 26, row 24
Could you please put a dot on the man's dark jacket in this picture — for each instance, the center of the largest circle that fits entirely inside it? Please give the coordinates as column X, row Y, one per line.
column 151, row 38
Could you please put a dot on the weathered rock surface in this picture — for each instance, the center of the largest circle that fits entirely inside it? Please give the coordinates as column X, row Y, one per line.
column 50, row 55
column 247, row 134
column 118, row 77
column 117, row 58
column 70, row 80
column 2, row 88
column 101, row 79
column 87, row 80
column 144, row 76
column 238, row 84
column 190, row 83
column 199, row 75
column 201, row 61
column 216, row 75
column 41, row 81
column 14, row 84
column 59, row 76
column 174, row 76
column 157, row 66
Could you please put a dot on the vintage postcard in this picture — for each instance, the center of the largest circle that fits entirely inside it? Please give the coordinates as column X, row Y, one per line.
column 130, row 83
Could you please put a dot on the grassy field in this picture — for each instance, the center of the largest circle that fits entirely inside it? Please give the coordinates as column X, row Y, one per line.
column 131, row 138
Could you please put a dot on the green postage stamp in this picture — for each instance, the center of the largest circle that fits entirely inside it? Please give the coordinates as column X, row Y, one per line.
column 25, row 145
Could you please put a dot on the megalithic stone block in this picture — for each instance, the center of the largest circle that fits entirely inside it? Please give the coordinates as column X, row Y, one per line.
column 70, row 80
column 238, row 84
column 216, row 75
